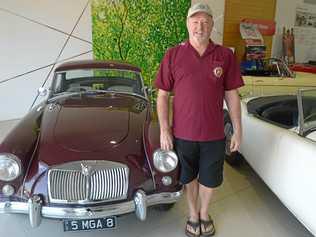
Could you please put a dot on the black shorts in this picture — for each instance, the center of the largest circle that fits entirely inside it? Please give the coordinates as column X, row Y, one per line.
column 204, row 160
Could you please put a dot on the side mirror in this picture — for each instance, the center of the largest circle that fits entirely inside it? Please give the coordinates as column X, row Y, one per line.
column 42, row 91
column 150, row 91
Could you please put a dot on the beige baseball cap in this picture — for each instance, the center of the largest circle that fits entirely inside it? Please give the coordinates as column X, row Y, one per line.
column 199, row 7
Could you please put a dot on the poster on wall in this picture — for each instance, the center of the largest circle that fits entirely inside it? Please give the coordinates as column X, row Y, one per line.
column 255, row 48
column 249, row 31
column 137, row 31
column 265, row 27
column 305, row 17
column 305, row 33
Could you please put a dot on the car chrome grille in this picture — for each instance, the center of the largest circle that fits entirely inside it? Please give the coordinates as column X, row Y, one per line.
column 108, row 184
column 88, row 182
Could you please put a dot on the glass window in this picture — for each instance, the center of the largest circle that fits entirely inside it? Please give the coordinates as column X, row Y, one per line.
column 81, row 80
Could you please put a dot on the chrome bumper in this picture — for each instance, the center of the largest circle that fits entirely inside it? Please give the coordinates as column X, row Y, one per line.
column 36, row 210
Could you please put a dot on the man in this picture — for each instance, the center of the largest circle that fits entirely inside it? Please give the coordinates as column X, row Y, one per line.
column 201, row 75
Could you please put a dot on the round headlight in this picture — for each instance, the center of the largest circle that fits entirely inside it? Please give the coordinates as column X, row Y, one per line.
column 165, row 161
column 10, row 167
column 166, row 180
column 8, row 190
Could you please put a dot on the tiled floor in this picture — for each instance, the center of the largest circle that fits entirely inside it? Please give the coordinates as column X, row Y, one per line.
column 243, row 206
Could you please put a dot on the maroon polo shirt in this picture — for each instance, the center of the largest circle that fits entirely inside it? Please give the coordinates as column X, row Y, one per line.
column 199, row 84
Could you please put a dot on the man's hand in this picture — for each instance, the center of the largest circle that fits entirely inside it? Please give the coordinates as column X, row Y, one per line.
column 233, row 104
column 166, row 140
column 235, row 142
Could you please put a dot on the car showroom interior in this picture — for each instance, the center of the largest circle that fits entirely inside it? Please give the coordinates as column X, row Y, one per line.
column 102, row 106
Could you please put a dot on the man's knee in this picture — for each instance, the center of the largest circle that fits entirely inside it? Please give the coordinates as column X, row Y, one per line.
column 192, row 185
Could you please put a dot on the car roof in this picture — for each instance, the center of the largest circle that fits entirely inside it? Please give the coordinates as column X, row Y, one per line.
column 91, row 63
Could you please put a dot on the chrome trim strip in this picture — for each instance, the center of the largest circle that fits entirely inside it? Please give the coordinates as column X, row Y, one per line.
column 76, row 165
column 91, row 212
column 147, row 159
column 300, row 112
column 101, row 69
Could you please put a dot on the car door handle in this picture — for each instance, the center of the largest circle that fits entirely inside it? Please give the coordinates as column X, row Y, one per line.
column 259, row 80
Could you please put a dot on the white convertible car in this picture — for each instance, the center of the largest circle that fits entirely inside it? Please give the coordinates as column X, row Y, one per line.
column 279, row 142
column 273, row 76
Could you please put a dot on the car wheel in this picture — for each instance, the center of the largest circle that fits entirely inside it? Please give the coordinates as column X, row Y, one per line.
column 164, row 207
column 232, row 158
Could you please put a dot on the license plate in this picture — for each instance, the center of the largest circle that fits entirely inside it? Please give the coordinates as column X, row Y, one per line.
column 90, row 224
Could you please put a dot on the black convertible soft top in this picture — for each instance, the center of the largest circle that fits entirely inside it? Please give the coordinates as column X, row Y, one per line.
column 282, row 110
column 258, row 105
column 279, row 110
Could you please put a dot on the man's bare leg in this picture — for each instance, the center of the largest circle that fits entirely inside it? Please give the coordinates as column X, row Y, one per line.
column 205, row 194
column 192, row 194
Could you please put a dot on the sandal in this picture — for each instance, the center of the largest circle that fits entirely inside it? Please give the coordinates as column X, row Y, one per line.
column 207, row 227
column 192, row 229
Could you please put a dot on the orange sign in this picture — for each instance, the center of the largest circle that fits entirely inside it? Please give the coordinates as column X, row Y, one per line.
column 265, row 27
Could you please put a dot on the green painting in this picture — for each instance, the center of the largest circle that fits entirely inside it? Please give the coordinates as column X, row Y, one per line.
column 138, row 31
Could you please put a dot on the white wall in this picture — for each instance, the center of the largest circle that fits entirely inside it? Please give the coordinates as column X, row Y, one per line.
column 285, row 16
column 218, row 8
column 33, row 34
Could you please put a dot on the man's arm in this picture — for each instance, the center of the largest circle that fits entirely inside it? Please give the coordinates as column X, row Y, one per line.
column 166, row 139
column 233, row 104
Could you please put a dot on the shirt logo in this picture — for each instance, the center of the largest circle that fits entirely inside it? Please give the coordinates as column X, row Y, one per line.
column 218, row 72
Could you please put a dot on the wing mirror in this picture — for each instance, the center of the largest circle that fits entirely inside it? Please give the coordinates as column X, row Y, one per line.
column 150, row 91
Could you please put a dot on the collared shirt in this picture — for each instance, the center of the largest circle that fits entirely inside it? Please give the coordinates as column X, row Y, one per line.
column 199, row 84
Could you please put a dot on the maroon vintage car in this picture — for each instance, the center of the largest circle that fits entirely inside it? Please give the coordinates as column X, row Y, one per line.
column 90, row 152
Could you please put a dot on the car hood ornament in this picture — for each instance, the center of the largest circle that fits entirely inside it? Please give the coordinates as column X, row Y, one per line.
column 86, row 170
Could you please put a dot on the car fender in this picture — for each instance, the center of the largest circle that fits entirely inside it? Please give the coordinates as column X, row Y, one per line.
column 152, row 143
column 22, row 139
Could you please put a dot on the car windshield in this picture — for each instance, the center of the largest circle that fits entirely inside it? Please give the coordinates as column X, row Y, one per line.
column 272, row 68
column 82, row 80
column 266, row 67
column 307, row 100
